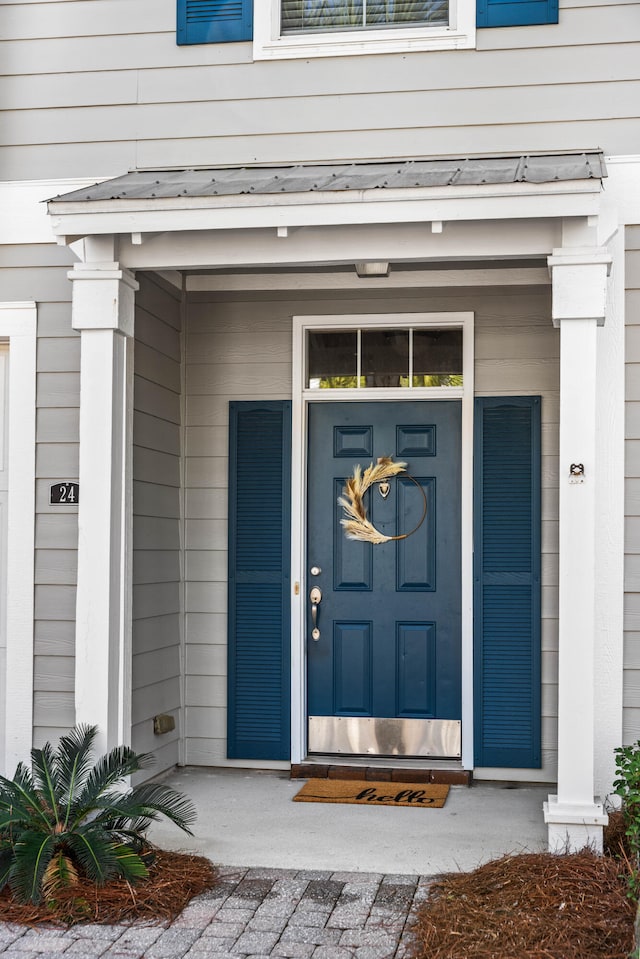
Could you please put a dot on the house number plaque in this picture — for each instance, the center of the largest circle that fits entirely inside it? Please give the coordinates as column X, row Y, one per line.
column 64, row 494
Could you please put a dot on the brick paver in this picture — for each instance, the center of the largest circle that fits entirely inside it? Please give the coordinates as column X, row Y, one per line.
column 252, row 914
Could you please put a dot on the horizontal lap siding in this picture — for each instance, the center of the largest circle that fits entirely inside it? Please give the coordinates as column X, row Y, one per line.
column 157, row 590
column 129, row 96
column 228, row 357
column 222, row 362
column 39, row 272
column 631, row 712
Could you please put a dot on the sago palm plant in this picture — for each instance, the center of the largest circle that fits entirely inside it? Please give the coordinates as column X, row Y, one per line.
column 69, row 819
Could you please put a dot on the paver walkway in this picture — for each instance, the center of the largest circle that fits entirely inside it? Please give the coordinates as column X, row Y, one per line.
column 253, row 913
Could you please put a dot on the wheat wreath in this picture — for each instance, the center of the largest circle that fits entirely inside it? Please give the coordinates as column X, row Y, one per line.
column 355, row 522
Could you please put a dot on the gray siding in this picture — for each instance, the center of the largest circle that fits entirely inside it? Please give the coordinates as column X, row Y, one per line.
column 239, row 348
column 157, row 579
column 40, row 273
column 96, row 89
column 631, row 712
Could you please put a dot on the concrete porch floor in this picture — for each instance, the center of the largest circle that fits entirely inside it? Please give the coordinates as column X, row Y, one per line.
column 247, row 818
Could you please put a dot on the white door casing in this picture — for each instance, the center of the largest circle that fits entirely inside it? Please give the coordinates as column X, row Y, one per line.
column 301, row 398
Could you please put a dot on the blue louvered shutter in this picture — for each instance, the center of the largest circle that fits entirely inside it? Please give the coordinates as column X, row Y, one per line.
column 507, row 582
column 515, row 13
column 214, row 21
column 259, row 580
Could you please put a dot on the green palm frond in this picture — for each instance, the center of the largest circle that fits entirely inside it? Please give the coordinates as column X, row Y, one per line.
column 116, row 765
column 146, row 802
column 6, row 861
column 160, row 800
column 43, row 770
column 130, row 865
column 31, row 856
column 19, row 797
column 23, row 778
column 133, row 838
column 94, row 851
column 74, row 760
column 130, row 831
column 17, row 817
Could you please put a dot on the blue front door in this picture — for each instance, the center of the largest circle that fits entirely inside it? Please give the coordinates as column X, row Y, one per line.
column 387, row 642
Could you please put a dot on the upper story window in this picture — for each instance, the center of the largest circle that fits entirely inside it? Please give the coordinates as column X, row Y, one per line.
column 316, row 28
column 306, row 16
column 328, row 28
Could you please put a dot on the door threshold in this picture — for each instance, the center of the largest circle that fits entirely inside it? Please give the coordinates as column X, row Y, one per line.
column 383, row 769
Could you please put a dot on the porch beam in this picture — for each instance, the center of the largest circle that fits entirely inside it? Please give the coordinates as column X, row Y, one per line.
column 404, row 242
column 575, row 816
column 102, row 310
column 348, row 280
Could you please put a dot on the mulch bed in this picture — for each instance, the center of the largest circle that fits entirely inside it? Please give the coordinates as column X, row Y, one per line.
column 174, row 879
column 534, row 905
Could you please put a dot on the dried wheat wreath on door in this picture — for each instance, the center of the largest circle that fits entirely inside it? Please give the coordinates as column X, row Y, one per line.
column 355, row 522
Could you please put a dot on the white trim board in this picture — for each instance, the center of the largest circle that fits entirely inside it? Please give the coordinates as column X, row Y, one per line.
column 301, row 398
column 18, row 323
column 23, row 208
column 349, row 280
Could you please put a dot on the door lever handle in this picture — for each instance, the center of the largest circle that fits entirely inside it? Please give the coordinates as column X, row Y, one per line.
column 316, row 598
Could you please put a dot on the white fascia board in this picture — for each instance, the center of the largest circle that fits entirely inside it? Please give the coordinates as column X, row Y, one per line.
column 511, row 201
column 338, row 197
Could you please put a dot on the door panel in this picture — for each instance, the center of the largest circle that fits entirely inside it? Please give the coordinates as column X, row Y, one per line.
column 416, row 659
column 389, row 618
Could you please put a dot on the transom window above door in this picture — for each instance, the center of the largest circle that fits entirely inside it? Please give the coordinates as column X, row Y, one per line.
column 383, row 358
column 307, row 16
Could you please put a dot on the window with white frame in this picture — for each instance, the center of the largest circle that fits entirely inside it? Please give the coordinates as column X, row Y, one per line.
column 296, row 28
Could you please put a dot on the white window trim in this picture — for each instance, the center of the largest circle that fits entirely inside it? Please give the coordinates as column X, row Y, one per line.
column 269, row 44
column 301, row 398
column 18, row 328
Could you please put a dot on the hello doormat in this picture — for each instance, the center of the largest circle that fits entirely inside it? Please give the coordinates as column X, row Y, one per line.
column 418, row 795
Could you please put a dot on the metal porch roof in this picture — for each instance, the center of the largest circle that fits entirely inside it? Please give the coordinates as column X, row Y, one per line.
column 235, row 181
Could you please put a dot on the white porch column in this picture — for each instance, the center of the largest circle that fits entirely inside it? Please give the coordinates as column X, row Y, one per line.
column 103, row 310
column 575, row 817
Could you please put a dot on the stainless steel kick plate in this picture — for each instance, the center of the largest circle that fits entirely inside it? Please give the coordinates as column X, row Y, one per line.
column 371, row 736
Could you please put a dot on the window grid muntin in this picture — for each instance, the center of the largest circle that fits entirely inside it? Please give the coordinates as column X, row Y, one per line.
column 359, row 384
